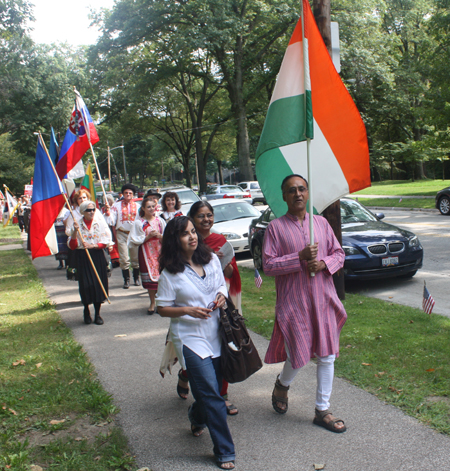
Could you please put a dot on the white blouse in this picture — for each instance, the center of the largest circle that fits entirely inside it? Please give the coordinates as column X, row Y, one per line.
column 137, row 235
column 189, row 289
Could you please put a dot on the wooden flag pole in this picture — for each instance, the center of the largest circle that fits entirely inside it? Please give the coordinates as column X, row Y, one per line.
column 92, row 149
column 73, row 216
column 308, row 139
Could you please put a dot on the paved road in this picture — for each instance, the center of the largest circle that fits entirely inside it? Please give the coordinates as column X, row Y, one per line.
column 126, row 353
column 433, row 230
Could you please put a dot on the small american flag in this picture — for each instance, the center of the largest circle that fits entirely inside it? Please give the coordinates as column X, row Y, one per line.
column 428, row 301
column 258, row 279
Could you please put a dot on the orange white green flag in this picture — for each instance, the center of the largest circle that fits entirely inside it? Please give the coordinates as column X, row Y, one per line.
column 310, row 103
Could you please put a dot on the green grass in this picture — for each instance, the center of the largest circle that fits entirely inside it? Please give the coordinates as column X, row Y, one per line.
column 423, row 203
column 45, row 376
column 395, row 352
column 405, row 188
column 9, row 234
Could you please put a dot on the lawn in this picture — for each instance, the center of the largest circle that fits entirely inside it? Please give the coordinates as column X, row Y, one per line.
column 395, row 352
column 54, row 411
column 408, row 203
column 405, row 188
column 9, row 234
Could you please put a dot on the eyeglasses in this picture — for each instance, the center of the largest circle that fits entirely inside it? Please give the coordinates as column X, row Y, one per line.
column 203, row 216
column 89, row 210
column 293, row 190
column 212, row 305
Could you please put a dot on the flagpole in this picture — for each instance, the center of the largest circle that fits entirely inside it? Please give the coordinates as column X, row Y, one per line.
column 92, row 148
column 73, row 216
column 308, row 139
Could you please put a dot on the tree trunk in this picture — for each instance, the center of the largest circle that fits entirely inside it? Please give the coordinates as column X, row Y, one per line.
column 219, row 169
column 332, row 214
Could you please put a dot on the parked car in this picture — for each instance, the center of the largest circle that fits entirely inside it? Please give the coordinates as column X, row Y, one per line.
column 232, row 218
column 215, row 192
column 373, row 249
column 186, row 195
column 443, row 201
column 255, row 191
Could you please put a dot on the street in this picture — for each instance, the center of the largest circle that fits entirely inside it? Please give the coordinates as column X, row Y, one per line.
column 433, row 230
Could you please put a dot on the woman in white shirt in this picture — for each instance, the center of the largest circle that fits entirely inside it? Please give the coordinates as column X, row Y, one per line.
column 191, row 288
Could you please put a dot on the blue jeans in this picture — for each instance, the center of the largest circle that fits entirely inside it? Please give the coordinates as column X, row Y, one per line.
column 209, row 408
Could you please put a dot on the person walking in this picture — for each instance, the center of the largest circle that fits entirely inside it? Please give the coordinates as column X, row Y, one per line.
column 96, row 236
column 309, row 315
column 202, row 213
column 146, row 234
column 121, row 215
column 191, row 290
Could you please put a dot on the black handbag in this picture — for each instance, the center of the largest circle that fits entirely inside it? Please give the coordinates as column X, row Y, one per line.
column 239, row 357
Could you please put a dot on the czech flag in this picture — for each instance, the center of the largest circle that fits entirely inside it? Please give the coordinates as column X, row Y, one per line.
column 81, row 132
column 48, row 200
column 310, row 101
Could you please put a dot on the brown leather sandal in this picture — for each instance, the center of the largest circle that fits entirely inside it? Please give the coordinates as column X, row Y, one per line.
column 283, row 400
column 331, row 424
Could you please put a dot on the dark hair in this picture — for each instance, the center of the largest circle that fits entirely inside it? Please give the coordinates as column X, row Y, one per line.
column 170, row 194
column 171, row 257
column 141, row 209
column 290, row 176
column 197, row 206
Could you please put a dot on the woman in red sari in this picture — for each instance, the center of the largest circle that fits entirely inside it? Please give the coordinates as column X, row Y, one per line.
column 202, row 214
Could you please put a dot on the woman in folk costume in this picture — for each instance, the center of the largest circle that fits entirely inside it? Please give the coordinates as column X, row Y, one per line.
column 202, row 214
column 77, row 199
column 96, row 236
column 170, row 205
column 114, row 252
column 146, row 233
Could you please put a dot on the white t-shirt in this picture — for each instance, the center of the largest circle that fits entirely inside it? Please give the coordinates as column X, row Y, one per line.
column 189, row 289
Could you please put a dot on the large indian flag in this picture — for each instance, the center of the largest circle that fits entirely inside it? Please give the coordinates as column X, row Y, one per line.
column 310, row 101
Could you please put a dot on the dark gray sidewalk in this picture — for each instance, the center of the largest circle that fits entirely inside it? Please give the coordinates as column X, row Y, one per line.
column 126, row 352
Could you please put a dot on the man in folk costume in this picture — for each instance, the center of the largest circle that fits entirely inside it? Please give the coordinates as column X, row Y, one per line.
column 121, row 215
column 309, row 315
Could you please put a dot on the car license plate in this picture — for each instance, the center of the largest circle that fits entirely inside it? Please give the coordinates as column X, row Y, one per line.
column 389, row 261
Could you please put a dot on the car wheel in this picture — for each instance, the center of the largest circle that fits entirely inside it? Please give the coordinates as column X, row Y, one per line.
column 257, row 255
column 444, row 205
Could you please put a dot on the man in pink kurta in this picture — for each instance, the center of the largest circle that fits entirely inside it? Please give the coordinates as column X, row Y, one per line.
column 308, row 314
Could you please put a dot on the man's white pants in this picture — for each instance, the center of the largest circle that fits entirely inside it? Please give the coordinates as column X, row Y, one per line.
column 325, row 375
column 125, row 254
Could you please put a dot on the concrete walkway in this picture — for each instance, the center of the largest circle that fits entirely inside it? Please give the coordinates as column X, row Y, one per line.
column 126, row 352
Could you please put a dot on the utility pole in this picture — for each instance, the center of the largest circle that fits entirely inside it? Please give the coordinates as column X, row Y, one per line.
column 322, row 15
column 109, row 169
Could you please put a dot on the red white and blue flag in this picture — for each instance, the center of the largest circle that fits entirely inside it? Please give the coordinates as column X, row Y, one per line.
column 258, row 279
column 48, row 200
column 81, row 132
column 428, row 301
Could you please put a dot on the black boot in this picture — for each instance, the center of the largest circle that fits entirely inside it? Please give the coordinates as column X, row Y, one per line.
column 137, row 281
column 126, row 279
column 98, row 320
column 87, row 315
column 60, row 266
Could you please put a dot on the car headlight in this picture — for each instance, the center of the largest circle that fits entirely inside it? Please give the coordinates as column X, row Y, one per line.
column 349, row 250
column 414, row 242
column 231, row 235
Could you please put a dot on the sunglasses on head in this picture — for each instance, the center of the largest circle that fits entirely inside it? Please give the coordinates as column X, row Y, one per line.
column 90, row 210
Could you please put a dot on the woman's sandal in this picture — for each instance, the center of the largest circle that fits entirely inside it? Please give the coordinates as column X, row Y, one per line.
column 180, row 389
column 331, row 424
column 230, row 407
column 283, row 400
column 197, row 431
column 221, row 464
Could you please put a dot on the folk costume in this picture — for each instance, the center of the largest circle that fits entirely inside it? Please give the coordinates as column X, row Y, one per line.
column 148, row 251
column 94, row 232
column 122, row 216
